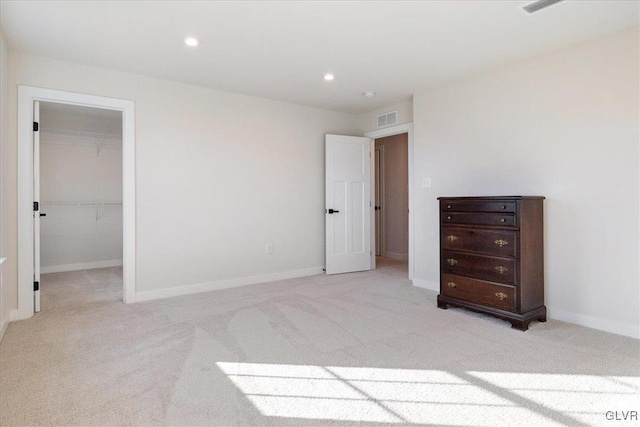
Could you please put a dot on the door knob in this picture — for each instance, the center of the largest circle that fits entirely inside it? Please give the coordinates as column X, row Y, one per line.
column 331, row 211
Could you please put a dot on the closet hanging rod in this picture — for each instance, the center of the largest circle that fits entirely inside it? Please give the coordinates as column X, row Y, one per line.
column 81, row 203
column 81, row 134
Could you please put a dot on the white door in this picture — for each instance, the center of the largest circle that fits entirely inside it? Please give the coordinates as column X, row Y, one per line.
column 348, row 203
column 36, row 206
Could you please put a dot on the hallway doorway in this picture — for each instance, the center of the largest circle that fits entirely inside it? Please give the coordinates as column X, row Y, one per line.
column 392, row 198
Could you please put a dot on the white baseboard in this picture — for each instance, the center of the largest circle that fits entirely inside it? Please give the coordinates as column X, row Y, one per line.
column 426, row 284
column 224, row 284
column 396, row 256
column 81, row 266
column 628, row 330
column 3, row 328
column 4, row 323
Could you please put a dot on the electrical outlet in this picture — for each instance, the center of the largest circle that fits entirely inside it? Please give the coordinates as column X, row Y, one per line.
column 269, row 249
column 426, row 182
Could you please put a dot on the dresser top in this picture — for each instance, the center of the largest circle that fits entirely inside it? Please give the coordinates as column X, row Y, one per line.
column 492, row 198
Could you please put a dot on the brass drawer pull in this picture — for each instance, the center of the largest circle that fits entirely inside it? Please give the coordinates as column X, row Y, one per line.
column 452, row 238
column 503, row 220
column 452, row 261
column 500, row 269
column 448, row 206
column 452, row 285
column 449, row 217
column 501, row 295
column 501, row 242
column 504, row 207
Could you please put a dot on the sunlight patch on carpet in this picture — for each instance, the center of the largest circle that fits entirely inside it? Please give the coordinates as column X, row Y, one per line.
column 425, row 396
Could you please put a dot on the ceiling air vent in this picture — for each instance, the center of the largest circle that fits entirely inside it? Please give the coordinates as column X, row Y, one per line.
column 387, row 119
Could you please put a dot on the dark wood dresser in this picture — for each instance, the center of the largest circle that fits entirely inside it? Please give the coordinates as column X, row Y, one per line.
column 491, row 257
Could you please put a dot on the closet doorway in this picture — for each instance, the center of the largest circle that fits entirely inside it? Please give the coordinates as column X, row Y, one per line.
column 78, row 182
column 391, row 165
column 29, row 220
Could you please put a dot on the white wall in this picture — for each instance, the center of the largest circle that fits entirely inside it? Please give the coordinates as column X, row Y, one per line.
column 219, row 175
column 562, row 125
column 77, row 172
column 7, row 269
column 369, row 122
column 82, row 120
column 395, row 205
column 73, row 171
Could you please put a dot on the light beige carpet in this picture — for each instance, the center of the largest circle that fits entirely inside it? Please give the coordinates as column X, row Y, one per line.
column 324, row 350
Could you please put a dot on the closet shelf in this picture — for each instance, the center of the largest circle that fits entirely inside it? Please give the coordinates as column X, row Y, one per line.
column 99, row 140
column 82, row 134
column 94, row 205
column 81, row 204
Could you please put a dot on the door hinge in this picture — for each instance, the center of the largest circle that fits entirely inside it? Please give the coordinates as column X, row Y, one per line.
column 36, row 286
column 36, row 206
column 36, row 126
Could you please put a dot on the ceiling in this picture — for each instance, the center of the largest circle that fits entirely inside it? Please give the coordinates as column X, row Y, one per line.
column 281, row 50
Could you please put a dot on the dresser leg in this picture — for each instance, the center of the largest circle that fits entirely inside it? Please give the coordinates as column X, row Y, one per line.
column 543, row 316
column 519, row 325
column 442, row 305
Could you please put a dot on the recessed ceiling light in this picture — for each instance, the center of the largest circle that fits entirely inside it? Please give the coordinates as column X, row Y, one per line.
column 369, row 94
column 328, row 77
column 191, row 41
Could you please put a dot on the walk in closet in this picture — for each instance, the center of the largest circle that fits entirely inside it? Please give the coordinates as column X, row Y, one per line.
column 80, row 188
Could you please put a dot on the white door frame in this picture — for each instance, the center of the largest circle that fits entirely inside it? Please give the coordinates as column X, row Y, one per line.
column 26, row 97
column 390, row 131
column 36, row 214
column 379, row 228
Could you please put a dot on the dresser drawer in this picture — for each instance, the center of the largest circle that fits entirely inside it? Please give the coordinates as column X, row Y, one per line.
column 494, row 242
column 501, row 270
column 478, row 206
column 479, row 218
column 477, row 291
